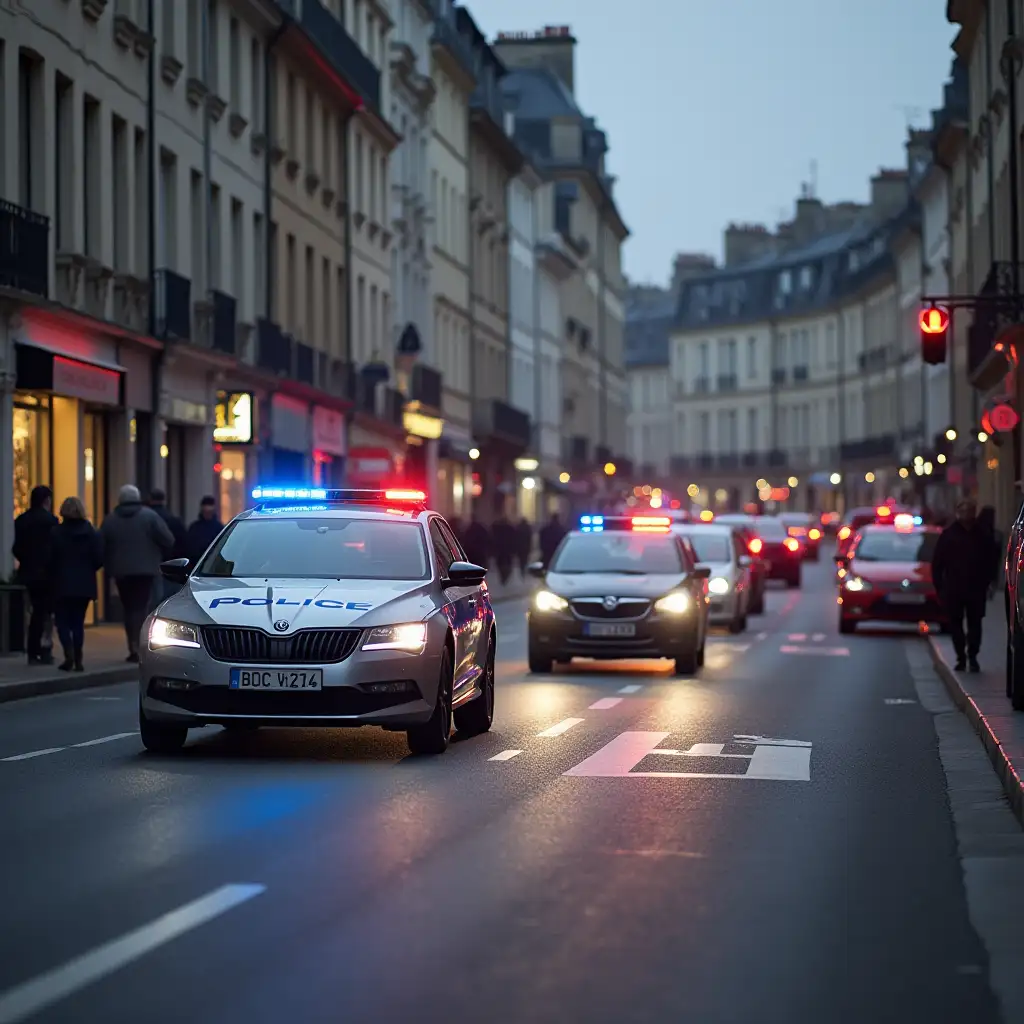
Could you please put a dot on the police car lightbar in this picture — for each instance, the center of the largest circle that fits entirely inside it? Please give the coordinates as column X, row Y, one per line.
column 340, row 495
column 638, row 524
column 905, row 521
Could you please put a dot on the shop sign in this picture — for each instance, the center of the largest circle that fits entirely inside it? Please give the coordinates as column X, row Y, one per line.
column 182, row 410
column 289, row 424
column 90, row 383
column 1003, row 417
column 328, row 431
column 234, row 420
column 369, row 466
column 422, row 425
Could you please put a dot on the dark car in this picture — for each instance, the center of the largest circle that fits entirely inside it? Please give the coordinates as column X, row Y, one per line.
column 784, row 554
column 619, row 587
column 758, row 566
column 1014, row 602
column 805, row 528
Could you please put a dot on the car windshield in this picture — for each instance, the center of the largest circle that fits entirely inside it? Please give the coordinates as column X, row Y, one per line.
column 894, row 546
column 800, row 520
column 770, row 529
column 710, row 547
column 632, row 553
column 300, row 548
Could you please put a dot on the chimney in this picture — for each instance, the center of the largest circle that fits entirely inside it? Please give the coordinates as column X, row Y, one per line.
column 552, row 48
column 889, row 192
column 690, row 264
column 810, row 220
column 747, row 242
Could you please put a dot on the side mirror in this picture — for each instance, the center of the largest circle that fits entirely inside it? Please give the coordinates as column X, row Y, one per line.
column 702, row 572
column 175, row 570
column 536, row 569
column 745, row 560
column 466, row 574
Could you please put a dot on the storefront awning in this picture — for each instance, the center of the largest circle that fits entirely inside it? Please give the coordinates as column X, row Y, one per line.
column 43, row 369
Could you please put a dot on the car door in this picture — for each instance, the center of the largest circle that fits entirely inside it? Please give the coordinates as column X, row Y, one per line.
column 479, row 602
column 699, row 588
column 742, row 562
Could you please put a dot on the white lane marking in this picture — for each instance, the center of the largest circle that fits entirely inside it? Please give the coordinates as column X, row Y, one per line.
column 899, row 700
column 605, row 703
column 827, row 652
column 105, row 739
column 631, row 689
column 762, row 636
column 33, row 753
column 620, row 755
column 699, row 749
column 43, row 991
column 563, row 726
column 505, row 755
column 104, row 698
column 818, row 637
column 797, row 637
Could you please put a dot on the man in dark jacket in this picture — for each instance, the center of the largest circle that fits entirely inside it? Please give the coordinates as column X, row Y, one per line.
column 135, row 541
column 158, row 503
column 962, row 570
column 204, row 531
column 551, row 535
column 33, row 531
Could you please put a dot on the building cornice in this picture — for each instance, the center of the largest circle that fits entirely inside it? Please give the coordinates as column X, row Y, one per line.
column 488, row 130
column 968, row 14
column 379, row 127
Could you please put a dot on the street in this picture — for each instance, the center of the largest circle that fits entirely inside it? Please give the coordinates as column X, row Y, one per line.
column 770, row 841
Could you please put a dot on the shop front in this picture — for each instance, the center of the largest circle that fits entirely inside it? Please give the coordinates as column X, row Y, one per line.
column 422, row 443
column 289, row 454
column 329, row 447
column 456, row 483
column 234, row 437
column 186, row 449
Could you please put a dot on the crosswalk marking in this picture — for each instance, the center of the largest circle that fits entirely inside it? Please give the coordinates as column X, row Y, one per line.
column 560, row 727
column 505, row 755
column 631, row 689
column 605, row 703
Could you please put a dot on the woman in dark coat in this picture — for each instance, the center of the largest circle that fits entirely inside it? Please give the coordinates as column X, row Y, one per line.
column 76, row 556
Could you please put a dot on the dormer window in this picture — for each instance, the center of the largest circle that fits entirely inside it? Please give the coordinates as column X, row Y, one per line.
column 853, row 263
column 785, row 282
column 806, row 278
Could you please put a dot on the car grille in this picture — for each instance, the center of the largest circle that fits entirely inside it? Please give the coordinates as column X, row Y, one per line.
column 627, row 608
column 252, row 646
column 335, row 700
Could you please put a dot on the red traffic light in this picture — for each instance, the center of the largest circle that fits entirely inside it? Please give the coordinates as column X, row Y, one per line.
column 933, row 320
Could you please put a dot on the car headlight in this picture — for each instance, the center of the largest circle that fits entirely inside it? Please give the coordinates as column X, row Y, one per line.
column 856, row 584
column 545, row 601
column 164, row 633
column 719, row 585
column 410, row 636
column 677, row 603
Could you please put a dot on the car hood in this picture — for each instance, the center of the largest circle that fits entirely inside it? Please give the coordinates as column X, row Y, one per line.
column 303, row 604
column 892, row 572
column 612, row 584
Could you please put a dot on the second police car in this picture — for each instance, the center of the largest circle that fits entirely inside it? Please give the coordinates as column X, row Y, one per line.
column 321, row 608
column 620, row 587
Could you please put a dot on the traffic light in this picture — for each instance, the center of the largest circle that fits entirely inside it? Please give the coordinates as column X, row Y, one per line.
column 933, row 324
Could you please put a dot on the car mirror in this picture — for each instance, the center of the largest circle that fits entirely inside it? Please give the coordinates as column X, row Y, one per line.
column 702, row 572
column 466, row 574
column 745, row 560
column 536, row 569
column 175, row 570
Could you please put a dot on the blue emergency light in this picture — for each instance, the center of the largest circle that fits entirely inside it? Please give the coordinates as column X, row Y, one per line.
column 289, row 493
column 392, row 496
column 592, row 524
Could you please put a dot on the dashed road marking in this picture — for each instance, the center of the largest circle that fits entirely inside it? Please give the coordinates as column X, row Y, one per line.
column 818, row 637
column 899, row 700
column 762, row 636
column 505, row 755
column 104, row 698
column 564, row 726
column 797, row 638
column 825, row 652
column 605, row 703
column 29, row 755
column 631, row 689
column 105, row 739
column 33, row 753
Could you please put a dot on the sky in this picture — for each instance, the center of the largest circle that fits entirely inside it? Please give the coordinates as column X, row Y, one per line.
column 716, row 109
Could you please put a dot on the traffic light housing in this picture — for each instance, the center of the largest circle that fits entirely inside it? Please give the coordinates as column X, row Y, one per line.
column 933, row 324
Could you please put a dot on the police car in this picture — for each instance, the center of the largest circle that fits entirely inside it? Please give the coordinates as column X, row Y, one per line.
column 620, row 587
column 322, row 607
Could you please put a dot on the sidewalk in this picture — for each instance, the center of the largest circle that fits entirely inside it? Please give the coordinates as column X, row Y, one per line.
column 105, row 653
column 983, row 700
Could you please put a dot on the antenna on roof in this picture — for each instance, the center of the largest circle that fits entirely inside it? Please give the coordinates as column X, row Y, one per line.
column 812, row 185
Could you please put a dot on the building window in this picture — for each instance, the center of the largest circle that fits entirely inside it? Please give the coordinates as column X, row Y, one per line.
column 120, row 166
column 91, row 212
column 308, row 325
column 235, row 64
column 806, row 278
column 256, row 85
column 31, row 448
column 310, row 128
column 213, row 46
column 64, row 171
column 292, row 115
column 231, row 478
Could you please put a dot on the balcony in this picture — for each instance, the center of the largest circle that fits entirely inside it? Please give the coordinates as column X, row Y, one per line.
column 273, row 348
column 702, row 385
column 778, row 459
column 24, row 250
column 706, row 462
column 778, row 376
column 727, row 382
column 447, row 36
column 752, row 459
column 341, row 51
column 729, row 461
column 578, row 450
column 223, row 327
column 172, row 295
column 680, row 465
column 880, row 447
column 305, row 363
column 800, row 374
column 426, row 386
column 504, row 423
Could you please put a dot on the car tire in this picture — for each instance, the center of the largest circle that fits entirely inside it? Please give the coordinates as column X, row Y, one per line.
column 476, row 717
column 433, row 736
column 161, row 737
column 793, row 582
column 700, row 653
column 738, row 624
column 537, row 661
column 1016, row 681
column 687, row 663
column 757, row 604
column 847, row 625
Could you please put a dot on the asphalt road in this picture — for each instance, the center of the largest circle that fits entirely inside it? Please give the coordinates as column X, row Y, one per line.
column 315, row 876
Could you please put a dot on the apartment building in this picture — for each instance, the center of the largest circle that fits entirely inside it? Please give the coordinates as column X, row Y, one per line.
column 650, row 316
column 569, row 149
column 453, row 74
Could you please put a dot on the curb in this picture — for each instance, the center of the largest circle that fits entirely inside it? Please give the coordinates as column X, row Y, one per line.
column 1013, row 785
column 67, row 683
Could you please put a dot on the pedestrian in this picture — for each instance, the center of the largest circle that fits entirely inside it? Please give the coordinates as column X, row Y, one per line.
column 204, row 531
column 135, row 541
column 33, row 531
column 477, row 542
column 524, row 544
column 963, row 565
column 503, row 534
column 76, row 556
column 158, row 503
column 551, row 535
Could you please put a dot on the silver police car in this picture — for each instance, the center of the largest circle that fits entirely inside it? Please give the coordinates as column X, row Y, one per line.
column 322, row 607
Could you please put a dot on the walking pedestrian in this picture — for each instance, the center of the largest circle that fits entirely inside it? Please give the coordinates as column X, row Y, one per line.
column 204, row 531
column 551, row 535
column 477, row 542
column 504, row 537
column 76, row 556
column 524, row 544
column 158, row 503
column 33, row 531
column 963, row 565
column 135, row 541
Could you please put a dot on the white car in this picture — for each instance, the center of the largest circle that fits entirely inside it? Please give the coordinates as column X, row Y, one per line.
column 722, row 550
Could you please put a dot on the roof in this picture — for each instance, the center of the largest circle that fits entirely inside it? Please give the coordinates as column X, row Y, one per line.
column 648, row 327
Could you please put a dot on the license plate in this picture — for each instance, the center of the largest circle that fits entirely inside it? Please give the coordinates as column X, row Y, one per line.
column 609, row 629
column 906, row 598
column 277, row 679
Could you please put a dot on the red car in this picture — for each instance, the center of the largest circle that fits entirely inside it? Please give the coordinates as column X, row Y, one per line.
column 854, row 520
column 886, row 576
column 783, row 553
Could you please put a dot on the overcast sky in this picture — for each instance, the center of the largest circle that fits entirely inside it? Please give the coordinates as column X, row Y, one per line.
column 716, row 108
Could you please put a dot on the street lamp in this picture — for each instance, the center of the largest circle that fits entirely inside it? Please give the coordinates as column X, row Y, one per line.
column 835, row 479
column 609, row 469
column 982, row 436
column 951, row 434
column 793, row 482
column 474, row 453
column 904, row 472
column 564, row 478
column 869, row 478
column 940, row 458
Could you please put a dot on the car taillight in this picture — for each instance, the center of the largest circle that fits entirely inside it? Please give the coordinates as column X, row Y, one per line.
column 844, row 533
column 755, row 546
column 815, row 534
column 792, row 545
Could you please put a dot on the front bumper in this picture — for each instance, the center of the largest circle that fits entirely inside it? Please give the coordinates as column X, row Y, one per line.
column 393, row 689
column 876, row 606
column 562, row 635
column 724, row 609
